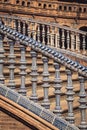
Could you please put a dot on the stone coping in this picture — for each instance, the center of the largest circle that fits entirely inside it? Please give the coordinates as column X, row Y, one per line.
column 35, row 108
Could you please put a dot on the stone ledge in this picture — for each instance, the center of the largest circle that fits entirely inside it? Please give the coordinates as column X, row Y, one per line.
column 36, row 109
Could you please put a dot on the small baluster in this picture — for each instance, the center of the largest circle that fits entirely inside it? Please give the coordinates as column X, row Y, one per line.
column 10, row 23
column 11, row 67
column 77, row 43
column 63, row 39
column 13, row 24
column 57, row 87
column 19, row 27
column 48, row 35
column 33, row 31
column 84, row 45
column 34, row 75
column 68, row 40
column 45, row 103
column 1, row 60
column 24, row 28
column 70, row 118
column 38, row 33
column 43, row 34
column 83, row 101
column 72, row 41
column 22, row 70
column 52, row 36
column 56, row 38
column 29, row 30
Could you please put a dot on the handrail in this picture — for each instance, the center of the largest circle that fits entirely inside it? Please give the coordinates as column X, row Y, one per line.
column 45, row 23
column 45, row 50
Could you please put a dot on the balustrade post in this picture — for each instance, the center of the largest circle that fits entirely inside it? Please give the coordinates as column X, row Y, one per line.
column 57, row 38
column 72, row 41
column 48, row 35
column 45, row 103
column 34, row 75
column 70, row 93
column 14, row 24
column 24, row 28
column 38, row 33
column 33, row 31
column 22, row 70
column 83, row 106
column 43, row 34
column 52, row 36
column 77, row 43
column 84, row 45
column 63, row 39
column 68, row 40
column 29, row 30
column 57, row 86
column 11, row 67
column 19, row 26
column 1, row 60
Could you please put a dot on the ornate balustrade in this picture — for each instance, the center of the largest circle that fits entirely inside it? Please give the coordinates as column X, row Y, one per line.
column 51, row 34
column 59, row 59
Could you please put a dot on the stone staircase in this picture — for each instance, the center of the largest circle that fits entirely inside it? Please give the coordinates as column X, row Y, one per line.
column 28, row 83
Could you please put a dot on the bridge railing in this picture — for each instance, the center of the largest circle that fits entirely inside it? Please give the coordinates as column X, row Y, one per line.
column 51, row 34
column 58, row 59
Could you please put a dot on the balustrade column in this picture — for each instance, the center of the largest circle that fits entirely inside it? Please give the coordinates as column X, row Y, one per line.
column 24, row 28
column 63, row 39
column 33, row 31
column 68, row 41
column 1, row 60
column 70, row 93
column 57, row 39
column 84, row 45
column 38, row 33
column 10, row 23
column 77, row 43
column 34, row 75
column 29, row 30
column 45, row 103
column 22, row 70
column 57, row 87
column 52, row 36
column 48, row 35
column 83, row 101
column 43, row 34
column 19, row 26
column 14, row 24
column 72, row 41
column 11, row 67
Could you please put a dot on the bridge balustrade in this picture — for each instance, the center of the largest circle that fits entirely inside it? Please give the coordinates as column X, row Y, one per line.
column 60, row 37
column 12, row 36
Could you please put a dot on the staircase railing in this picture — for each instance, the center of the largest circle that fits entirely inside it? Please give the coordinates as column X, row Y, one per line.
column 51, row 34
column 58, row 59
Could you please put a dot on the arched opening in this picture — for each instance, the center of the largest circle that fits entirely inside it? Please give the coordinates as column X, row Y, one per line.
column 23, row 3
column 80, row 9
column 65, row 8
column 44, row 6
column 39, row 4
column 60, row 8
column 28, row 4
column 70, row 9
column 84, row 28
column 84, row 10
column 17, row 1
